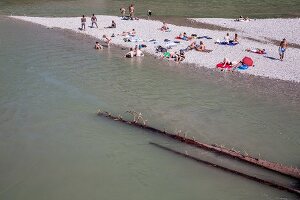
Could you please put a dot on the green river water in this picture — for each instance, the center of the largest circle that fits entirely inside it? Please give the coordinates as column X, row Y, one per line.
column 53, row 146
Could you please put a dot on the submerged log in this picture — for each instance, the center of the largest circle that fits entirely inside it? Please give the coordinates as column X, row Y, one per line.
column 262, row 181
column 279, row 168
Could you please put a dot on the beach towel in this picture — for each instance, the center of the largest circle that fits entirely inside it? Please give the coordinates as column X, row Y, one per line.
column 222, row 66
column 185, row 38
column 243, row 67
column 229, row 44
column 205, row 51
column 167, row 55
column 170, row 44
column 204, row 37
column 135, row 39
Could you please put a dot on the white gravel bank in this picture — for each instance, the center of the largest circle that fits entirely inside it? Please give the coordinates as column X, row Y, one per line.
column 289, row 69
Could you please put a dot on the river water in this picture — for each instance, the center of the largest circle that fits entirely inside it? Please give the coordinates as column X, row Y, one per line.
column 53, row 146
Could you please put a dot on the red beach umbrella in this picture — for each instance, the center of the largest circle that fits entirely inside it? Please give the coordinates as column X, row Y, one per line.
column 248, row 61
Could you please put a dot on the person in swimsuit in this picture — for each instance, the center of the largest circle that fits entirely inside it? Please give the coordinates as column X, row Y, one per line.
column 113, row 25
column 130, row 54
column 149, row 13
column 235, row 40
column 107, row 40
column 282, row 48
column 201, row 47
column 138, row 52
column 191, row 46
column 164, row 27
column 226, row 38
column 94, row 21
column 123, row 11
column 131, row 11
column 98, row 46
column 83, row 20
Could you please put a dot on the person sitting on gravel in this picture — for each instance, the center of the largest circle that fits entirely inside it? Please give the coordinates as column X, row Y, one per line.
column 235, row 40
column 164, row 27
column 226, row 38
column 179, row 57
column 191, row 46
column 113, row 25
column 201, row 47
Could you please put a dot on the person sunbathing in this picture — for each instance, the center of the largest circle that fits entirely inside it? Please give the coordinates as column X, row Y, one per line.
column 257, row 50
column 164, row 27
column 98, row 46
column 226, row 61
column 201, row 47
column 184, row 36
column 107, row 40
column 113, row 25
column 130, row 33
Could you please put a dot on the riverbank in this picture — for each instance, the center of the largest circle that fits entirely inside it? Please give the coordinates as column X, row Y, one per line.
column 265, row 66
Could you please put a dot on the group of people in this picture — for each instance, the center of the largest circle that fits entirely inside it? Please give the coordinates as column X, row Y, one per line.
column 93, row 20
column 243, row 19
column 131, row 12
column 134, row 52
column 197, row 47
column 227, row 39
column 176, row 56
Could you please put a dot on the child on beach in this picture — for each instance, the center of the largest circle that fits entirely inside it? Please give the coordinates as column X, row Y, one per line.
column 107, row 40
column 282, row 48
column 123, row 11
column 98, row 46
column 83, row 21
column 94, row 21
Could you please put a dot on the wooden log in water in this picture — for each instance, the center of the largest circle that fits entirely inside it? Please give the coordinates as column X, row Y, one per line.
column 262, row 181
column 279, row 168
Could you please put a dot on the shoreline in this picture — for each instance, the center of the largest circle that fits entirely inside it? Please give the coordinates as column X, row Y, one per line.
column 147, row 29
